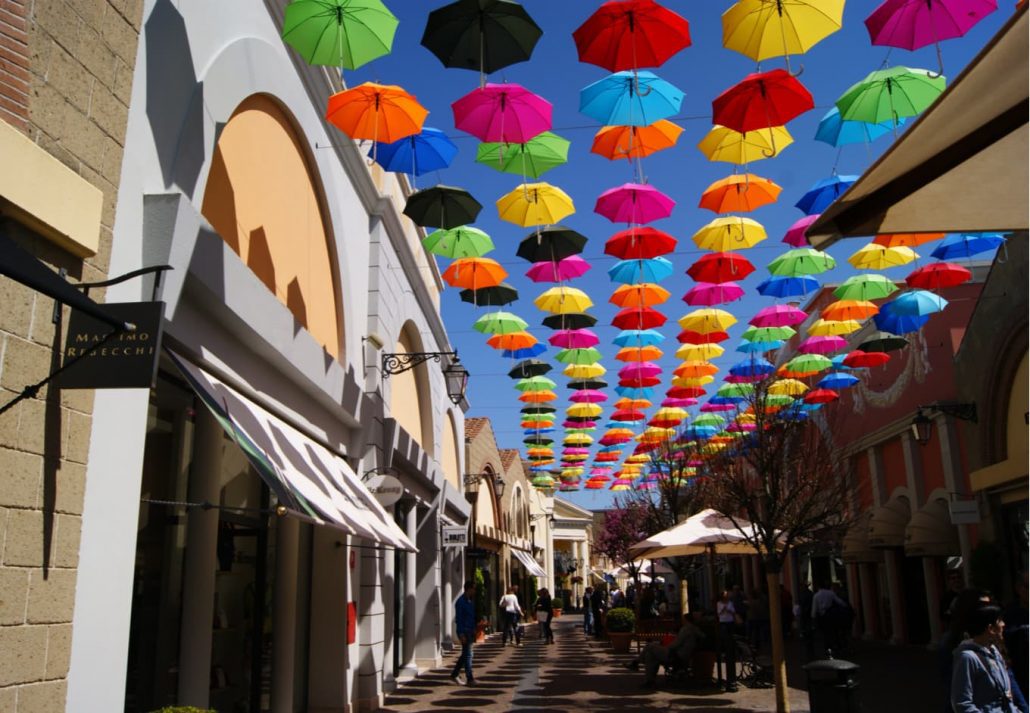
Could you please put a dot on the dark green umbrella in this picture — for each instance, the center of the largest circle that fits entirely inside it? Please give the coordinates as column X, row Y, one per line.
column 481, row 35
column 572, row 320
column 339, row 33
column 588, row 384
column 538, row 440
column 496, row 296
column 442, row 207
column 529, row 367
column 551, row 244
column 538, row 409
column 883, row 342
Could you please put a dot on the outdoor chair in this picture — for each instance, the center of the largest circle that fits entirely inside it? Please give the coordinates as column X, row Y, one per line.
column 756, row 669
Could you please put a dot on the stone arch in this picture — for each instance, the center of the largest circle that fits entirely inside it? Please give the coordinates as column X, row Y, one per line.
column 486, row 500
column 517, row 511
column 450, row 459
column 410, row 394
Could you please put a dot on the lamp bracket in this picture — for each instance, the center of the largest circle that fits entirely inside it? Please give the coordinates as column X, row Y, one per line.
column 962, row 411
column 400, row 363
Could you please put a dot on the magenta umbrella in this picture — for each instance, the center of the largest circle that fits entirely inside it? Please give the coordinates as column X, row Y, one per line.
column 740, row 427
column 822, row 345
column 634, row 203
column 707, row 294
column 574, row 339
column 566, row 269
column 575, row 451
column 742, row 379
column 678, row 403
column 715, row 408
column 778, row 316
column 579, row 424
column 640, row 370
column 911, row 24
column 588, row 396
column 508, row 113
column 795, row 236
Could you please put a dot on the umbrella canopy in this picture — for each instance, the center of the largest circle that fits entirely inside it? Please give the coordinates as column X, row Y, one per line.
column 833, row 328
column 628, row 272
column 562, row 300
column 837, row 380
column 639, row 354
column 535, row 204
column 706, row 294
column 967, row 245
column 910, row 25
column 761, row 100
column 822, row 345
column 795, row 235
column 729, row 233
column 639, row 295
column 339, row 33
column 707, row 320
column 463, row 241
column 531, row 160
column 428, row 150
column 808, row 363
column 495, row 296
column 836, row 132
column 866, row 360
column 724, row 144
column 639, row 243
column 778, row 316
column 938, row 275
column 550, row 244
column 574, row 339
column 631, row 35
column 482, row 35
column 634, row 203
column 821, row 396
column 787, row 286
column 707, row 531
column 569, row 320
column 887, row 321
column 688, row 336
column 787, row 387
column 630, row 99
column 865, row 287
column 638, row 338
column 583, row 371
column 849, row 309
column 802, row 261
column 917, row 303
column 538, row 397
column 508, row 113
column 877, row 257
column 765, row 334
column 376, row 112
column 499, row 323
column 699, row 352
column 739, row 193
column 474, row 272
column 889, row 93
column 442, row 207
column 758, row 346
column 883, row 342
column 720, row 267
column 908, row 240
column 638, row 318
column 512, row 340
column 529, row 368
column 535, row 383
column 761, row 29
column 818, row 197
column 579, row 384
column 558, row 271
column 629, row 142
column 639, row 370
column 752, row 367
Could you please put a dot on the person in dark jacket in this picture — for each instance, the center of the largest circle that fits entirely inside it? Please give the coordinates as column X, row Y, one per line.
column 465, row 624
column 599, row 604
column 979, row 679
column 544, row 614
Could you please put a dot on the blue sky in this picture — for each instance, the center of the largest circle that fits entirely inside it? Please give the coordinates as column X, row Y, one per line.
column 702, row 71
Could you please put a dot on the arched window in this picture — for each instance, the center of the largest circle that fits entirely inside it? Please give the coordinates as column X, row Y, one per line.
column 410, row 402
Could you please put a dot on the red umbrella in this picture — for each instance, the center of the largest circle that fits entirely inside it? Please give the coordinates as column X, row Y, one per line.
column 640, row 382
column 858, row 359
column 685, row 392
column 761, row 100
column 689, row 337
column 937, row 275
column 639, row 318
column 720, row 267
column 631, row 35
column 821, row 396
column 639, row 243
column 628, row 415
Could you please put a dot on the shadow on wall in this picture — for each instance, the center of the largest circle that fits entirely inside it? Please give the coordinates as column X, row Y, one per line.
column 175, row 98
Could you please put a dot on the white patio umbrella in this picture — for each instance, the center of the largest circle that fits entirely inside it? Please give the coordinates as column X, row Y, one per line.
column 706, row 532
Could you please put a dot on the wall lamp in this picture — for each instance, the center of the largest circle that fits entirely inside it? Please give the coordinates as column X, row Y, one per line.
column 456, row 375
column 472, row 481
column 922, row 425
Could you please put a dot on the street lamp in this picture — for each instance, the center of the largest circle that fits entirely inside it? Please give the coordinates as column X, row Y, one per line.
column 455, row 374
column 922, row 426
column 472, row 481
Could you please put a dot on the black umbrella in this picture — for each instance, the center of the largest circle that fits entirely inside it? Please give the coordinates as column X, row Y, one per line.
column 883, row 342
column 538, row 441
column 551, row 244
column 588, row 384
column 538, row 409
column 572, row 320
column 580, row 419
column 442, row 207
column 529, row 367
column 482, row 35
column 496, row 296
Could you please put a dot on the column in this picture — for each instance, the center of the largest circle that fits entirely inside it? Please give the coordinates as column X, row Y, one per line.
column 933, row 598
column 284, row 620
column 855, row 598
column 891, row 560
column 409, row 594
column 870, row 606
column 954, row 482
column 447, row 575
column 199, row 564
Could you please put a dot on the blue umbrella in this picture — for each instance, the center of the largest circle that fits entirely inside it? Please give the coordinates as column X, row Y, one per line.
column 526, row 352
column 838, row 362
column 429, row 150
column 535, row 431
column 635, row 392
column 722, row 400
column 759, row 347
column 967, row 245
column 617, row 448
column 699, row 432
column 826, row 191
column 752, row 367
column 837, row 380
column 630, row 99
column 836, row 132
column 916, row 303
column 639, row 338
column 630, row 272
column 785, row 286
column 887, row 321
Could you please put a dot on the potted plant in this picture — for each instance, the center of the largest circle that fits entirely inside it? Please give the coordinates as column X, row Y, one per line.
column 702, row 662
column 556, row 606
column 620, row 623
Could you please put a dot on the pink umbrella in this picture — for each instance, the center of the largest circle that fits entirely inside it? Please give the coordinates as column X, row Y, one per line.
column 601, row 470
column 588, row 396
column 567, row 269
column 707, row 294
column 795, row 236
column 614, row 440
column 634, row 203
column 640, row 370
column 508, row 113
column 741, row 379
column 910, row 25
column 579, row 424
column 822, row 345
column 574, row 339
column 778, row 316
column 740, row 427
column 575, row 451
column 715, row 408
column 678, row 403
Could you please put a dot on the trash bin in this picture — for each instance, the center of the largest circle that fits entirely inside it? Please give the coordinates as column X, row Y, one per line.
column 832, row 686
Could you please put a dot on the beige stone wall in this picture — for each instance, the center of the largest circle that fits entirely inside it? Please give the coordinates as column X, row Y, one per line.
column 78, row 75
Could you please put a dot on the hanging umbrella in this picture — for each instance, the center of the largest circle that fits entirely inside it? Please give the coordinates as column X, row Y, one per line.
column 735, row 391
column 724, row 144
column 695, row 374
column 588, row 384
column 706, row 294
column 537, row 410
column 889, row 94
column 836, row 132
column 822, row 345
column 787, row 286
column 569, row 320
column 849, row 309
column 707, row 320
column 377, row 112
column 629, row 142
column 530, row 160
column 583, row 371
column 887, row 321
column 495, row 296
column 535, row 204
column 641, row 370
column 908, row 240
column 512, row 340
column 639, row 354
column 637, row 404
column 499, row 323
column 795, row 235
column 752, row 367
column 482, row 35
column 562, row 300
column 644, row 294
column 761, row 29
column 766, row 334
column 739, row 193
column 639, row 243
column 429, row 150
column 529, row 368
column 559, row 271
column 628, row 272
column 808, row 363
column 778, row 316
column 678, row 402
column 634, row 203
column 638, row 338
column 535, row 383
column 866, row 360
column 802, row 261
column 833, row 328
column 787, row 387
column 551, row 244
column 729, row 233
column 442, row 207
column 938, row 275
column 865, row 287
column 688, row 336
column 463, row 241
column 630, row 99
column 821, row 396
column 967, row 245
column 761, row 100
column 917, row 303
column 819, row 197
column 638, row 318
column 837, row 380
column 631, row 35
column 527, row 353
column 339, row 33
column 699, row 352
column 474, row 272
column 877, row 257
column 538, row 397
column 508, row 113
column 883, row 342
column 628, row 415
column 574, row 339
column 760, row 346
column 720, row 267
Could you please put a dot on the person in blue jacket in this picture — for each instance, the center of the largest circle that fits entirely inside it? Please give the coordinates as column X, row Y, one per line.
column 979, row 680
column 465, row 624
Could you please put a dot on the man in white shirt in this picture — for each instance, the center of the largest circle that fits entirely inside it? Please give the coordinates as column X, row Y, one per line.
column 824, row 603
column 512, row 612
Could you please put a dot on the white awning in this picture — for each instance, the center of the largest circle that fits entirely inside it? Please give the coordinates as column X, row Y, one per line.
column 307, row 478
column 529, row 563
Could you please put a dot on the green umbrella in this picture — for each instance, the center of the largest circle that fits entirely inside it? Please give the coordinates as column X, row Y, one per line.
column 339, row 33
column 542, row 481
column 767, row 334
column 802, row 261
column 442, row 207
column 500, row 323
column 890, row 94
column 865, row 287
column 709, row 419
column 483, row 35
column 535, row 383
column 808, row 362
column 578, row 356
column 531, row 159
column 545, row 419
column 778, row 400
column 463, row 241
column 735, row 390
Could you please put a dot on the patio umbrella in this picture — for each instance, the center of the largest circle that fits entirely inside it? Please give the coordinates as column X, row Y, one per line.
column 888, row 94
column 910, row 25
column 463, row 241
column 574, row 339
column 638, row 338
column 699, row 352
column 883, row 342
column 866, row 360
column 908, row 240
column 339, row 33
column 376, row 112
column 724, row 144
column 917, row 303
column 802, row 261
column 887, row 321
column 638, row 318
column 787, row 286
column 822, row 345
column 836, row 132
column 529, row 368
column 512, row 340
column 508, row 113
column 474, row 272
column 561, row 300
column 938, row 275
column 550, row 244
column 499, row 323
column 530, row 160
column 639, row 243
column 849, row 309
column 429, row 150
column 629, row 142
column 761, row 29
column 639, row 354
column 495, row 296
column 558, row 271
column 707, row 320
column 707, row 294
column 720, row 267
column 630, row 99
column 628, row 272
column 778, row 316
column 631, row 35
column 644, row 294
column 739, row 193
column 729, row 233
column 819, row 197
column 442, row 207
column 482, row 35
column 865, row 287
column 761, row 100
column 967, row 245
column 877, row 257
column 535, row 204
column 569, row 320
column 634, row 203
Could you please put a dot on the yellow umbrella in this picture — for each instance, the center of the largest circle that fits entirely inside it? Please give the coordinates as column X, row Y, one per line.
column 705, row 321
column 574, row 457
column 535, row 204
column 577, row 439
column 699, row 352
column 694, row 380
column 635, row 459
column 657, row 434
column 878, row 257
column 574, row 472
column 761, row 29
column 583, row 410
column 563, row 300
column 584, row 371
column 787, row 387
column 833, row 328
column 670, row 413
column 730, row 233
column 724, row 144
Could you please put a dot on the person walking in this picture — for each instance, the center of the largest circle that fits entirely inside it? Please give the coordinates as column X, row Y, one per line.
column 728, row 620
column 588, row 611
column 544, row 614
column 825, row 605
column 465, row 625
column 598, row 606
column 979, row 679
column 512, row 612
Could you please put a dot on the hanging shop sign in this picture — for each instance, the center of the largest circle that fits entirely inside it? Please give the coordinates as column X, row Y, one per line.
column 96, row 356
column 455, row 536
column 386, row 489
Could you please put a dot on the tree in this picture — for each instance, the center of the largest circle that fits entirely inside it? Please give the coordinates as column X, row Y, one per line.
column 624, row 525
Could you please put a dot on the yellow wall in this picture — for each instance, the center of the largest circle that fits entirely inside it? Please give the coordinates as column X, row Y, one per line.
column 485, row 515
column 265, row 201
column 1014, row 467
column 409, row 391
column 450, row 452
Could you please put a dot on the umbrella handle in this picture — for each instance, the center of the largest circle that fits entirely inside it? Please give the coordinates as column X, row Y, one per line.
column 940, row 63
column 772, row 144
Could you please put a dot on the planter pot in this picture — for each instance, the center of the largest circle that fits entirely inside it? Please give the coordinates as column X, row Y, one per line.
column 702, row 664
column 480, row 633
column 620, row 641
column 556, row 613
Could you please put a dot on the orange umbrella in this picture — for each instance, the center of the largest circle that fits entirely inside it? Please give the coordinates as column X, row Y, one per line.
column 474, row 272
column 849, row 309
column 786, row 373
column 739, row 193
column 631, row 404
column 514, row 340
column 648, row 353
column 908, row 240
column 538, row 397
column 696, row 368
column 534, row 425
column 539, row 452
column 643, row 294
column 378, row 112
column 616, row 142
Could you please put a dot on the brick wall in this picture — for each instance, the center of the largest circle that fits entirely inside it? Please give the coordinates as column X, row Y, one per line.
column 65, row 82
